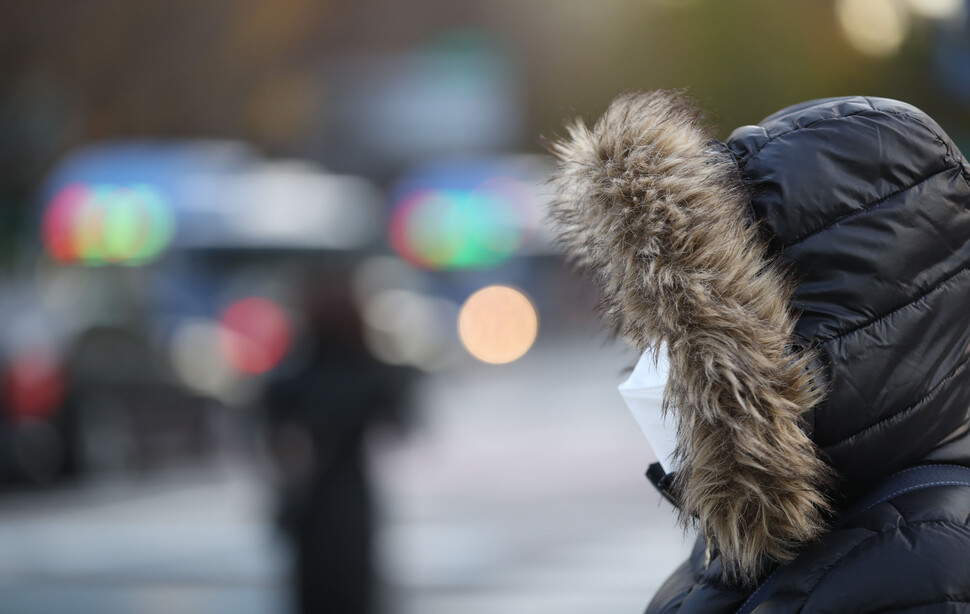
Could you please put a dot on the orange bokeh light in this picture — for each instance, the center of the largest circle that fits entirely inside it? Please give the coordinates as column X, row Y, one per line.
column 498, row 324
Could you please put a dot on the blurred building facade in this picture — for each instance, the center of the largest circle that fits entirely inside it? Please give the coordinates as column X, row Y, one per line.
column 281, row 75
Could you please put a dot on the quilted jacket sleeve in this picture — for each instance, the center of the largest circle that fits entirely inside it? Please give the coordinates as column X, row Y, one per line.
column 696, row 587
column 911, row 554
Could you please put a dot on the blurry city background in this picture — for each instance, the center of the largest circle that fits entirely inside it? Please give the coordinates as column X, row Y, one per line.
column 276, row 283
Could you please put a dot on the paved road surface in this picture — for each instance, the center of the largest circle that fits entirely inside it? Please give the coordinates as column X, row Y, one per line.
column 520, row 492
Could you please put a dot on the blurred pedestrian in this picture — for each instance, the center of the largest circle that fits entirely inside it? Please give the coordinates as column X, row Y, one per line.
column 807, row 283
column 320, row 408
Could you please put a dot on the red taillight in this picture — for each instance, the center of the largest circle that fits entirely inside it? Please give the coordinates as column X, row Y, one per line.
column 255, row 335
column 33, row 386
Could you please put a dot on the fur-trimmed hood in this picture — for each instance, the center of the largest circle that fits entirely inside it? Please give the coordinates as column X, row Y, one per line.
column 717, row 250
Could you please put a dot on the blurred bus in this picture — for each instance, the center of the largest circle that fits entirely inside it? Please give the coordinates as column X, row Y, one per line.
column 158, row 298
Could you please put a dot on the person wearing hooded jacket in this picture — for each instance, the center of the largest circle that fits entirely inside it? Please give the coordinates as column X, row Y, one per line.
column 809, row 279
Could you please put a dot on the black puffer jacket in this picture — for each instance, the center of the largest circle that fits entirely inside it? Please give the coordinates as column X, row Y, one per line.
column 811, row 278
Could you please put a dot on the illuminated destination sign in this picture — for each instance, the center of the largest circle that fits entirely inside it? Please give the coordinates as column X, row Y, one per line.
column 107, row 224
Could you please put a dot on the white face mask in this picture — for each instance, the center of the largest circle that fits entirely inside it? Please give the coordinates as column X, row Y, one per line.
column 643, row 392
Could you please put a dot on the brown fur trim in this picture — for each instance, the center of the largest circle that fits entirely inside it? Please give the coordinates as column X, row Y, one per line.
column 656, row 209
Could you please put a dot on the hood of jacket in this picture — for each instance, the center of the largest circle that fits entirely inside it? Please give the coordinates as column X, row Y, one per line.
column 810, row 280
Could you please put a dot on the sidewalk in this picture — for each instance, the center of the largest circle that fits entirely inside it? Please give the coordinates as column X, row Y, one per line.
column 521, row 492
column 525, row 493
